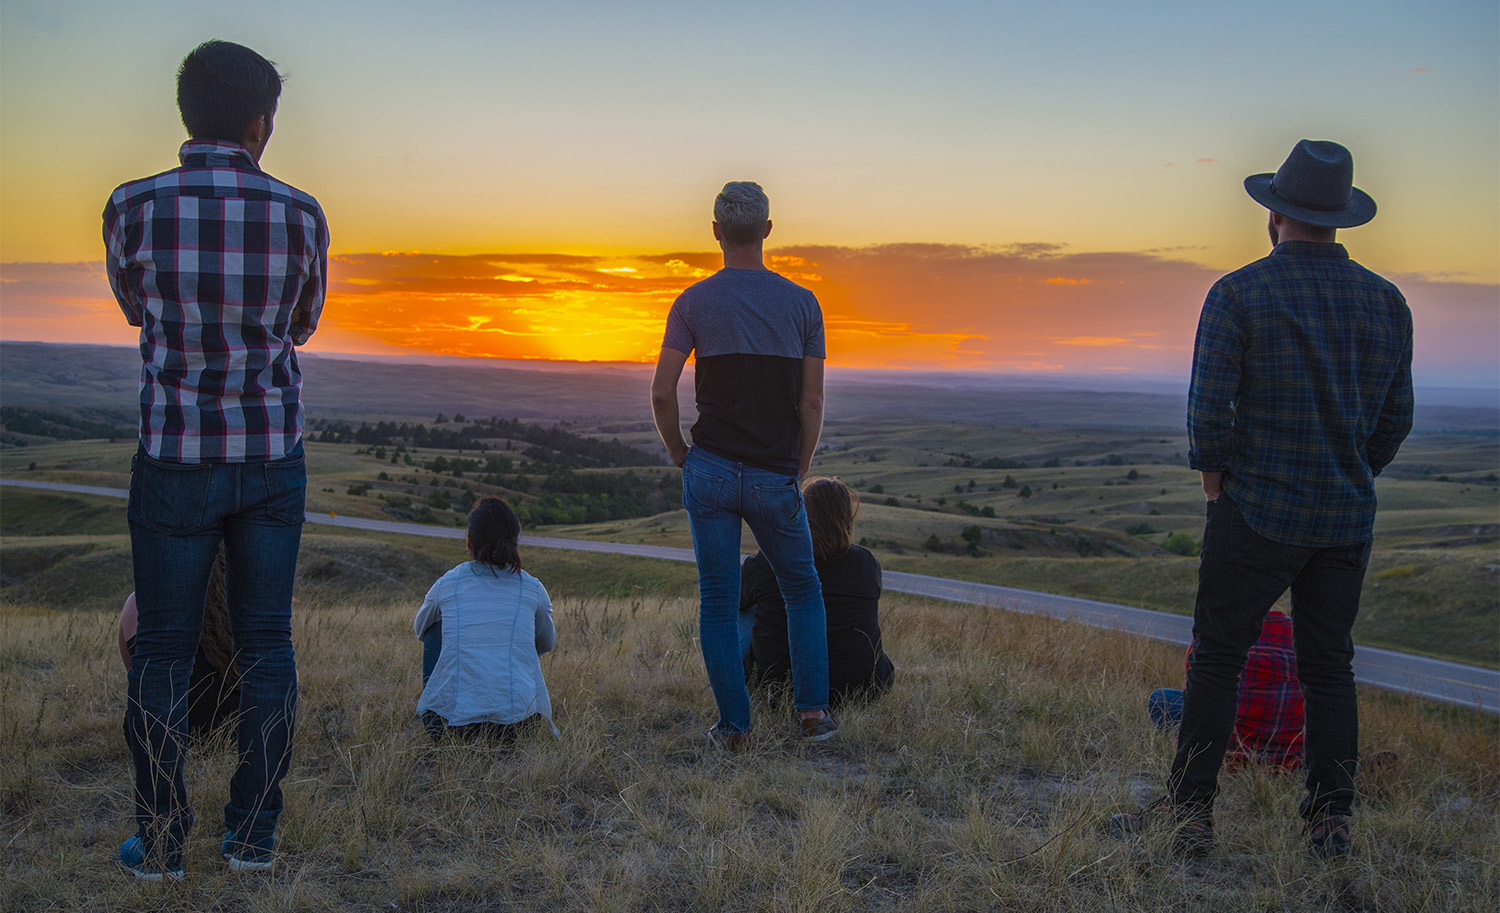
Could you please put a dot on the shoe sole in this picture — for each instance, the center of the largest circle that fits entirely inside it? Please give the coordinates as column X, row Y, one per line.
column 819, row 736
column 173, row 875
column 237, row 864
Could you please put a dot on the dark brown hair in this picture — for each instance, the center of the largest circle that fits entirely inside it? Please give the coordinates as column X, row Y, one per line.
column 831, row 509
column 494, row 531
column 222, row 87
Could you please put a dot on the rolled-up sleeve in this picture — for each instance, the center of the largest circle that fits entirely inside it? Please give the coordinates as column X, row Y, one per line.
column 1395, row 419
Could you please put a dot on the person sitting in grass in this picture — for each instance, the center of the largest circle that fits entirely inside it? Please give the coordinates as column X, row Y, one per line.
column 850, row 576
column 484, row 626
column 1268, row 725
column 214, row 688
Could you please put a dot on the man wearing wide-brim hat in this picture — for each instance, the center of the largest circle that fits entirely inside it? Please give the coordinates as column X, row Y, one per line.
column 1301, row 394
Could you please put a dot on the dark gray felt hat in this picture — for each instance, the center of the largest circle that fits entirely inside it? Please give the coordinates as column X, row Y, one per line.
column 1314, row 185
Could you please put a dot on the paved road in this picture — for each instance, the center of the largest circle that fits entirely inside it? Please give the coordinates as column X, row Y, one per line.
column 1452, row 683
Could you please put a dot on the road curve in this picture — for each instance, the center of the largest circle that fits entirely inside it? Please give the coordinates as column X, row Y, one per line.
column 1436, row 679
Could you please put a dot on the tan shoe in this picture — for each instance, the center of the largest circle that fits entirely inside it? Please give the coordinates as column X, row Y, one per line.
column 728, row 741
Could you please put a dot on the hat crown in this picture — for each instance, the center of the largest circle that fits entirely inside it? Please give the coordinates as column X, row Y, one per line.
column 1319, row 174
column 1314, row 185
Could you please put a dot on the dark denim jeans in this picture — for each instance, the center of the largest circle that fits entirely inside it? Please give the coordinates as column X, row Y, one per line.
column 1165, row 708
column 1240, row 576
column 718, row 495
column 178, row 513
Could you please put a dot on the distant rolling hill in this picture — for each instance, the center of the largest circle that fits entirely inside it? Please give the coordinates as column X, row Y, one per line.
column 102, row 380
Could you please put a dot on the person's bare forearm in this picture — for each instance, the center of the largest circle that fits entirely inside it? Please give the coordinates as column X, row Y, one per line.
column 810, row 413
column 664, row 408
column 812, row 429
column 1213, row 485
column 669, row 426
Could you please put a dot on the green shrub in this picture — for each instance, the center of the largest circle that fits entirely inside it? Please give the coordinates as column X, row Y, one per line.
column 1182, row 544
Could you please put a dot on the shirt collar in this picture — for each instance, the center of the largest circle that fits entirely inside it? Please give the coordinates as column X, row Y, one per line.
column 1331, row 249
column 215, row 153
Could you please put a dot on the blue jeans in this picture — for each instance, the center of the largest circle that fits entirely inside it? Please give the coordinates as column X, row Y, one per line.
column 178, row 513
column 719, row 494
column 1165, row 707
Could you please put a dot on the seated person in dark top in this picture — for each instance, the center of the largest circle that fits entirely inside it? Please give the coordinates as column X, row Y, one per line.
column 214, row 689
column 857, row 664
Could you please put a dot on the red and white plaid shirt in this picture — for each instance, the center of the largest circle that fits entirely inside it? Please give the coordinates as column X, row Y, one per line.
column 1268, row 723
column 224, row 269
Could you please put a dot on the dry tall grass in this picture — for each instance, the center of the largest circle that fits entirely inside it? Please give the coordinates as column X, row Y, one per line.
column 980, row 782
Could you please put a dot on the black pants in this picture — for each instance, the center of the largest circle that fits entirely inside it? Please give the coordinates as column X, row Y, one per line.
column 1241, row 575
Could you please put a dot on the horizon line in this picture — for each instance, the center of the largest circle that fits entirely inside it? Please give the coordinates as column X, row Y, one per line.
column 437, row 359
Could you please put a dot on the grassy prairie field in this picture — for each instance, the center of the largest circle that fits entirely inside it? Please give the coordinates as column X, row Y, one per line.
column 1078, row 511
column 980, row 782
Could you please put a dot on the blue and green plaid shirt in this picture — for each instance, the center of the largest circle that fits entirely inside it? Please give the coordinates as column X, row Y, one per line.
column 1301, row 391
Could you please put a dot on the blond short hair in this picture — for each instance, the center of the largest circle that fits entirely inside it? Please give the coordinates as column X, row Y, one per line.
column 742, row 210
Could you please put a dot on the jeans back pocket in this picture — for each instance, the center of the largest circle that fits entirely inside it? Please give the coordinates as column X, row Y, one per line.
column 285, row 489
column 171, row 498
column 780, row 502
column 700, row 490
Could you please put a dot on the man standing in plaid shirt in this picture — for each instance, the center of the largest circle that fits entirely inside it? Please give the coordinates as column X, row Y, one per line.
column 1301, row 394
column 224, row 269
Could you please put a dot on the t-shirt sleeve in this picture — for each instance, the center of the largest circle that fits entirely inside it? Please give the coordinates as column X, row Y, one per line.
column 678, row 335
column 813, row 345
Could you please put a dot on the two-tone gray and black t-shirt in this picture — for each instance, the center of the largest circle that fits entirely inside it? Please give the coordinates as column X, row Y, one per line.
column 750, row 328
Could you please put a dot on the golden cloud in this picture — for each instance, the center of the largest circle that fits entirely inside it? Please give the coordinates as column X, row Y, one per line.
column 1094, row 341
column 1022, row 307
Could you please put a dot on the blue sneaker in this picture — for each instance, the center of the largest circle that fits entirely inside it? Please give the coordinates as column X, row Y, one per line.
column 153, row 867
column 248, row 855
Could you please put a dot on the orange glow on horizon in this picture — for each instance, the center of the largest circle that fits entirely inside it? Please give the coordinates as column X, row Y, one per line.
column 1025, row 308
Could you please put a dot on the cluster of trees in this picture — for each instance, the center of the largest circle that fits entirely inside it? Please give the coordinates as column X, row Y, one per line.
column 594, row 497
column 975, row 510
column 965, row 461
column 553, row 480
column 972, row 536
column 560, row 496
column 62, row 426
column 548, row 445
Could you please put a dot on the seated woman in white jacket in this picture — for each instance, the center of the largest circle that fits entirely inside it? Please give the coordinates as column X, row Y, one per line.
column 484, row 626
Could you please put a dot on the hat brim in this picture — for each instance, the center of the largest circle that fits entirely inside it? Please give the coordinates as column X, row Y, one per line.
column 1360, row 210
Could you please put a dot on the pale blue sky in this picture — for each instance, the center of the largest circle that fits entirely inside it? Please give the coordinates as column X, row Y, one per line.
column 463, row 125
column 605, row 128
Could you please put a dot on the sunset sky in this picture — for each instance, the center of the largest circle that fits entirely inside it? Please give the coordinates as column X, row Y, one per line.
column 965, row 186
